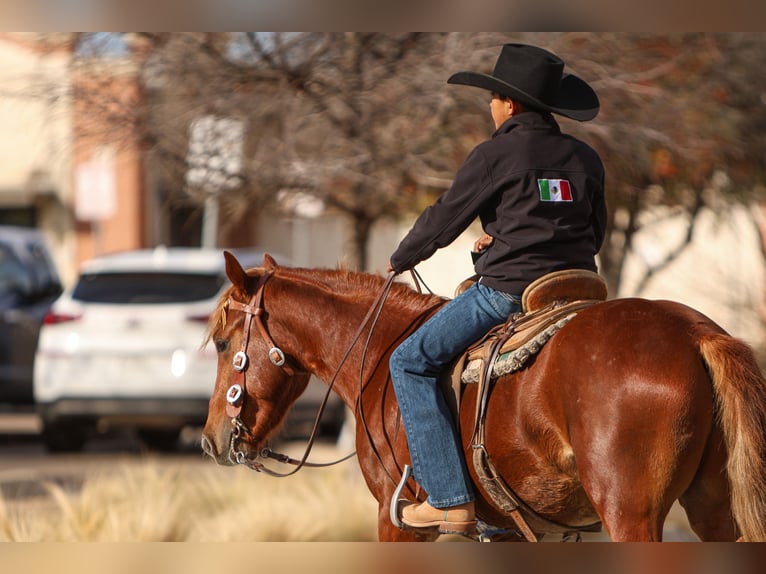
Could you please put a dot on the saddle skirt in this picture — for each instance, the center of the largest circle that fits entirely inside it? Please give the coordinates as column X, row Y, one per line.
column 526, row 340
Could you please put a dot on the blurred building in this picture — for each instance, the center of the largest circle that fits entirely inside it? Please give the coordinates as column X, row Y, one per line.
column 36, row 187
column 61, row 173
column 73, row 164
column 108, row 205
column 76, row 166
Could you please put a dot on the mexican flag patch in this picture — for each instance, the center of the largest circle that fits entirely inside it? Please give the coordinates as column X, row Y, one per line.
column 554, row 190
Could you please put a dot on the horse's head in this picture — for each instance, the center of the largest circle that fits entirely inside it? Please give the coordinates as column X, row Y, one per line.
column 257, row 381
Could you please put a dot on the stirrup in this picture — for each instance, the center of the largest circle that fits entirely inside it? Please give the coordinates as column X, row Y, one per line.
column 396, row 502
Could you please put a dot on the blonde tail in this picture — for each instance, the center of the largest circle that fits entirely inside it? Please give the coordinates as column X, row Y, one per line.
column 740, row 392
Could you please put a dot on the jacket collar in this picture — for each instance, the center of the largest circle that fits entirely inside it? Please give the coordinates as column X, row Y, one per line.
column 528, row 120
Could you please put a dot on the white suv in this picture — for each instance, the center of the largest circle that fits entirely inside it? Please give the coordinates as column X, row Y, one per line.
column 123, row 347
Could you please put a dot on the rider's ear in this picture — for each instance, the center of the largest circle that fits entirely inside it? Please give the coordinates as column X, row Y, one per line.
column 235, row 272
column 269, row 263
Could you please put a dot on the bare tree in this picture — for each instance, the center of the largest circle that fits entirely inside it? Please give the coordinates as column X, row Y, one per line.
column 354, row 120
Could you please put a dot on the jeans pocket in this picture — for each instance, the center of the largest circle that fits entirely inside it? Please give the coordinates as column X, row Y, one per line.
column 515, row 299
column 501, row 303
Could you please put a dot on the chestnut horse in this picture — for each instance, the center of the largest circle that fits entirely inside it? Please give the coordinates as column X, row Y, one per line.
column 634, row 404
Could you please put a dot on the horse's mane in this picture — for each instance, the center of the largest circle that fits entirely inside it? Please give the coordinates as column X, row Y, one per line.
column 343, row 283
column 360, row 285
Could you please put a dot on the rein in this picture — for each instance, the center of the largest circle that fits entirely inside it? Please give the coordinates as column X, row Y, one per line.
column 418, row 281
column 235, row 395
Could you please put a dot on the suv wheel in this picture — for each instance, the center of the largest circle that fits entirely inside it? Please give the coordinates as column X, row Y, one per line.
column 64, row 436
column 162, row 440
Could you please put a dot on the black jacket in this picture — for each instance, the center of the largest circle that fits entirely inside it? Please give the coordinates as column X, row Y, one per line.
column 507, row 182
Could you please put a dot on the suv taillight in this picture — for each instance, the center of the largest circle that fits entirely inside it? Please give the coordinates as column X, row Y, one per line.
column 203, row 318
column 53, row 318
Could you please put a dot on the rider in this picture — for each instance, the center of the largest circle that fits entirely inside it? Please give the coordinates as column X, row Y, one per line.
column 539, row 194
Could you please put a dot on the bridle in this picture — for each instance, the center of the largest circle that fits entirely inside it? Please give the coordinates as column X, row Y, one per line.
column 235, row 395
column 253, row 312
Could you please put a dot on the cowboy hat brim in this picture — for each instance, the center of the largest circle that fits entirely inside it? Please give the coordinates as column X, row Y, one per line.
column 576, row 99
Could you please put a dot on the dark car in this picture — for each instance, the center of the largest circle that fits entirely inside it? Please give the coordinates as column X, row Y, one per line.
column 29, row 283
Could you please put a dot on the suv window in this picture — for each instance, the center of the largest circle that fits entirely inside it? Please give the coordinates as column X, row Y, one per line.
column 146, row 287
column 13, row 275
column 42, row 270
column 26, row 271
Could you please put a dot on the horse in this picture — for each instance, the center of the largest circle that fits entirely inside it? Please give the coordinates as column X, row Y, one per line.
column 632, row 405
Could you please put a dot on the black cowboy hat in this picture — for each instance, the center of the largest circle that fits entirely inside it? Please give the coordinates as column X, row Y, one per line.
column 535, row 77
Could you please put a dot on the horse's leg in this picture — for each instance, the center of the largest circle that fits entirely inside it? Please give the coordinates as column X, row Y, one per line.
column 632, row 523
column 707, row 501
column 387, row 532
column 629, row 483
column 635, row 471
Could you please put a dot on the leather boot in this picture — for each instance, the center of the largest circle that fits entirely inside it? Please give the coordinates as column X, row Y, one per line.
column 454, row 520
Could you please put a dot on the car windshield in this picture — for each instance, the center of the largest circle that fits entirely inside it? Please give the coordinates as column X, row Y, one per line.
column 146, row 287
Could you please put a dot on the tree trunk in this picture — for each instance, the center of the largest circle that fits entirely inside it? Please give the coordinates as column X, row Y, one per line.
column 362, row 226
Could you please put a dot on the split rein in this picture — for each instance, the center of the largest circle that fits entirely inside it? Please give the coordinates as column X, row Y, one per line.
column 236, row 393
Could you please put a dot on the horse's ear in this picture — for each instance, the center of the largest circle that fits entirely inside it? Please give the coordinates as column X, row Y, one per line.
column 235, row 272
column 269, row 263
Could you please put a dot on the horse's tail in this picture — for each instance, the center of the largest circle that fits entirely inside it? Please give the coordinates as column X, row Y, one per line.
column 740, row 395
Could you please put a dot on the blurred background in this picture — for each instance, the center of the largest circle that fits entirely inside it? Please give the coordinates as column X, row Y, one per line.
column 320, row 148
column 323, row 146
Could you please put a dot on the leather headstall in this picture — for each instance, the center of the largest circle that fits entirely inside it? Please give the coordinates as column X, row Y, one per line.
column 254, row 312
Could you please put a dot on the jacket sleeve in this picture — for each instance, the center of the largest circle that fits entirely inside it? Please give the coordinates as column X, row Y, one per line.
column 441, row 223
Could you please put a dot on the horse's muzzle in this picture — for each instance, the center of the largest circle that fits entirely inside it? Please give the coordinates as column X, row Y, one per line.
column 221, row 457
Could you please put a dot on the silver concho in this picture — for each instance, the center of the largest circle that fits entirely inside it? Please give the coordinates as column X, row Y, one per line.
column 240, row 361
column 234, row 394
column 280, row 356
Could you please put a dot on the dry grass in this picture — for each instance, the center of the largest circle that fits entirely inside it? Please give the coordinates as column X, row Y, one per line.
column 154, row 501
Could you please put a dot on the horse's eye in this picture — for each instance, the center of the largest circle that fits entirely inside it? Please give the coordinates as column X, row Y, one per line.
column 221, row 345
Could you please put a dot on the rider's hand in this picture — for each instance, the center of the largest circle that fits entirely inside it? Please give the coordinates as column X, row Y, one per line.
column 482, row 243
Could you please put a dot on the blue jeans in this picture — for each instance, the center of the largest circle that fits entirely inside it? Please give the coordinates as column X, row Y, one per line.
column 438, row 463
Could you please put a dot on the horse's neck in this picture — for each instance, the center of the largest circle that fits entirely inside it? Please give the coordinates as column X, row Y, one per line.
column 325, row 321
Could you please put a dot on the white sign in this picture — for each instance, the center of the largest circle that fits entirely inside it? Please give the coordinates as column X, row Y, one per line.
column 95, row 189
